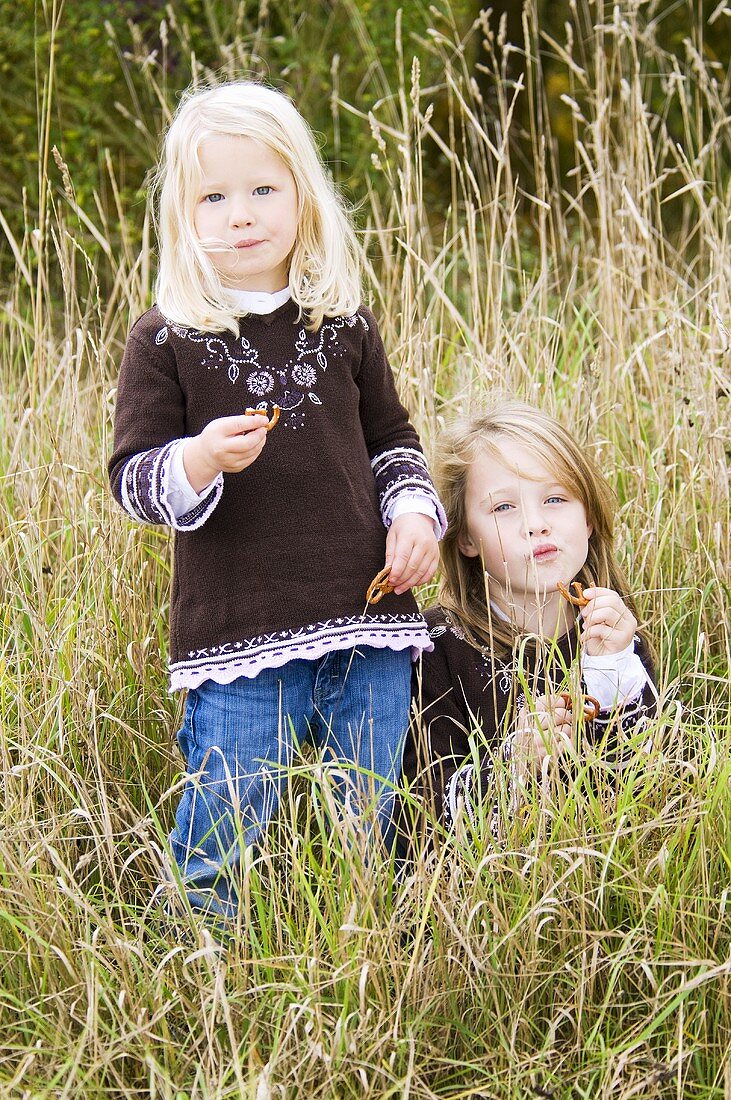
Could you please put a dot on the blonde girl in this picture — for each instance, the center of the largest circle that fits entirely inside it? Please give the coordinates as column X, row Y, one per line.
column 277, row 533
column 528, row 513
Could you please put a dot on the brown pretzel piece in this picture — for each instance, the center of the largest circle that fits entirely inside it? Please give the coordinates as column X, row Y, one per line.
column 260, row 412
column 591, row 705
column 380, row 586
column 579, row 600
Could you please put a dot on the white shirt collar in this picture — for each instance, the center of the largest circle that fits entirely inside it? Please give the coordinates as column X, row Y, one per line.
column 258, row 301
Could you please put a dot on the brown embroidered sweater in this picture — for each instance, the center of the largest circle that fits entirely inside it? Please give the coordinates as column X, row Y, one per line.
column 275, row 561
column 466, row 700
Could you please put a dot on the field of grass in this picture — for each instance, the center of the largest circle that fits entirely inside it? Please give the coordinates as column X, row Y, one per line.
column 589, row 953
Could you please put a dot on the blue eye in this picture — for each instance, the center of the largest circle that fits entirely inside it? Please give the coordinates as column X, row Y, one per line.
column 215, row 197
column 555, row 500
column 263, row 190
column 502, row 507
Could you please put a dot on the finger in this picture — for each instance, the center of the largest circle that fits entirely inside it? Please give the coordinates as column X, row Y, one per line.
column 611, row 618
column 245, row 448
column 605, row 599
column 553, row 706
column 250, row 423
column 433, row 566
column 602, row 621
column 416, row 570
column 606, row 607
column 242, row 445
column 597, row 593
column 599, row 632
column 400, row 565
column 547, row 721
column 425, row 573
column 391, row 548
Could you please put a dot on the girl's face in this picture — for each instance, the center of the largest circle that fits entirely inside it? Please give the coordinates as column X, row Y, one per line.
column 529, row 528
column 246, row 213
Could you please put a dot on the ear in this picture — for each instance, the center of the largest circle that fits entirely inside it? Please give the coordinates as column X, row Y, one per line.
column 467, row 546
column 589, row 530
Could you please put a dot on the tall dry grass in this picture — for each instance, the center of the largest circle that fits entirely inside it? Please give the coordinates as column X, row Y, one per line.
column 588, row 954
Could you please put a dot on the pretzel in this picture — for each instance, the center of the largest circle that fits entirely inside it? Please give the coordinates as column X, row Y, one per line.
column 579, row 600
column 260, row 412
column 592, row 706
column 380, row 586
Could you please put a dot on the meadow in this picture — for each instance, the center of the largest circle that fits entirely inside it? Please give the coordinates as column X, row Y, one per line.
column 588, row 954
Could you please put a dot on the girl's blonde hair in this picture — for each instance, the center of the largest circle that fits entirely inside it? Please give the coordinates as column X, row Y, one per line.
column 465, row 585
column 324, row 269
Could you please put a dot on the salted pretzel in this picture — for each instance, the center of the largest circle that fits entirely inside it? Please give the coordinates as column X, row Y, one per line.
column 380, row 586
column 260, row 412
column 592, row 706
column 579, row 600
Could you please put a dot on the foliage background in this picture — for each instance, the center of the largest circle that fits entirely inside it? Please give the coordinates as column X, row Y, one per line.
column 544, row 202
column 119, row 64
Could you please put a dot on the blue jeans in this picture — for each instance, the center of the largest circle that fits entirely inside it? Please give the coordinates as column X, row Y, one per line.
column 238, row 740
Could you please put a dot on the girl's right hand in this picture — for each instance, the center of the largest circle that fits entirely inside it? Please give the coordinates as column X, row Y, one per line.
column 228, row 444
column 543, row 730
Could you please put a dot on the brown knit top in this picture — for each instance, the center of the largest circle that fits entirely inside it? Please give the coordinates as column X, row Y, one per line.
column 275, row 561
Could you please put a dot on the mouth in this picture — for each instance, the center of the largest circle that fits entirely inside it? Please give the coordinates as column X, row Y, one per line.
column 546, row 552
column 248, row 243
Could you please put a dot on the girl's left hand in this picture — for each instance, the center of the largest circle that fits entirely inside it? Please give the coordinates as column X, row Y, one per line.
column 412, row 551
column 607, row 624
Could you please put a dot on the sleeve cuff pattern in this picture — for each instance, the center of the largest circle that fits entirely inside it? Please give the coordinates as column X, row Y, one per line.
column 404, row 470
column 144, row 488
column 465, row 791
column 623, row 721
column 614, row 678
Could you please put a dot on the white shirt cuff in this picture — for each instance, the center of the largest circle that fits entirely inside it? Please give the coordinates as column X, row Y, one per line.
column 181, row 496
column 613, row 678
column 415, row 502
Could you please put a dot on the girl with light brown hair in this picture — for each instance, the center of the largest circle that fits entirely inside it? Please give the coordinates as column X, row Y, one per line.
column 518, row 669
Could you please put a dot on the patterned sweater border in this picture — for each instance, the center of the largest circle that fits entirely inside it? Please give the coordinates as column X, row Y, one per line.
column 144, row 486
column 250, row 656
column 404, row 470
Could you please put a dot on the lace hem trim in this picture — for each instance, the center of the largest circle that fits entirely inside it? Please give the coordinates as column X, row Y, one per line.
column 225, row 667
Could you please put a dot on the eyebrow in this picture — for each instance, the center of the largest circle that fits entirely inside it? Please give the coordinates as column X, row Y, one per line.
column 548, row 487
column 212, row 183
column 490, row 499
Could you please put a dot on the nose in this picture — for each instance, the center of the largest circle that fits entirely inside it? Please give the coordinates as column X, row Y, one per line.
column 535, row 521
column 240, row 215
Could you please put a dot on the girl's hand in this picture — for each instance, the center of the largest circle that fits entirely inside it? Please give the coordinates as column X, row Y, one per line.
column 545, row 729
column 607, row 624
column 228, row 444
column 412, row 551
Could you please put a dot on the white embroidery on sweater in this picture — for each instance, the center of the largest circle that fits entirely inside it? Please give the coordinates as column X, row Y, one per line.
column 248, row 656
column 289, row 387
column 279, row 637
column 502, row 674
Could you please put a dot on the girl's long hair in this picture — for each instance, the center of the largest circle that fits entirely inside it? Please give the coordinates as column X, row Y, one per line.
column 465, row 588
column 324, row 268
